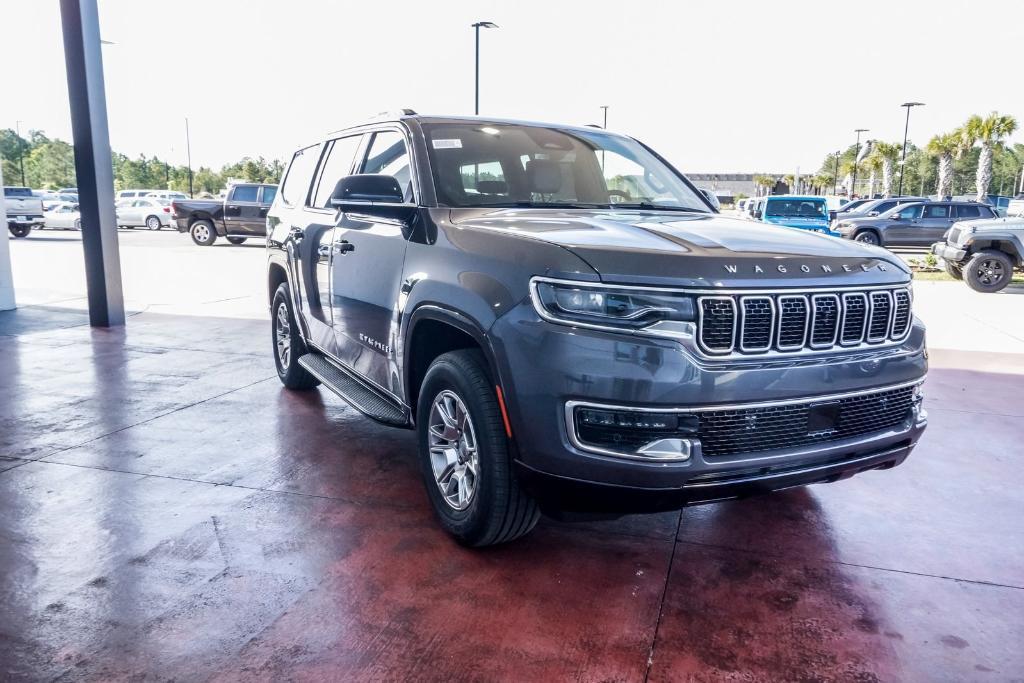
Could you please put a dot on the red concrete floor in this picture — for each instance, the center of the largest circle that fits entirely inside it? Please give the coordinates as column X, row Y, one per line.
column 168, row 511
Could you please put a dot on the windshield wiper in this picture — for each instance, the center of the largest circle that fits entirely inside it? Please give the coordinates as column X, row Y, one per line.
column 657, row 207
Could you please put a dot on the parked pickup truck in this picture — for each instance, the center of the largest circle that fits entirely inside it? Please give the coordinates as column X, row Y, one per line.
column 242, row 214
column 24, row 210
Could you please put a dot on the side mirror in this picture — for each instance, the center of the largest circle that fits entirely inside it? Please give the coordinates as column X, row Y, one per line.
column 895, row 217
column 366, row 189
column 872, row 213
column 757, row 213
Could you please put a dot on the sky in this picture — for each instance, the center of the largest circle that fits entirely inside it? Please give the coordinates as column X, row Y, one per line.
column 741, row 86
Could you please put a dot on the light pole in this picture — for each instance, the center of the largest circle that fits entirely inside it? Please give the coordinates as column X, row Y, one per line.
column 853, row 185
column 835, row 174
column 479, row 25
column 605, row 108
column 188, row 151
column 906, row 129
column 21, row 151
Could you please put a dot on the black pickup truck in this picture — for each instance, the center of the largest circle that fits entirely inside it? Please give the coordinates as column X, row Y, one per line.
column 242, row 214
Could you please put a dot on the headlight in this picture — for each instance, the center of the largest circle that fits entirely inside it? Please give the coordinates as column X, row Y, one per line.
column 574, row 303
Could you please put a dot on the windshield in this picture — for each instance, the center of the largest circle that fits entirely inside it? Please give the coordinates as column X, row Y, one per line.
column 795, row 208
column 512, row 165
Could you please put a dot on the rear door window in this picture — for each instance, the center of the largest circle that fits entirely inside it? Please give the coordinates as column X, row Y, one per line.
column 269, row 192
column 245, row 193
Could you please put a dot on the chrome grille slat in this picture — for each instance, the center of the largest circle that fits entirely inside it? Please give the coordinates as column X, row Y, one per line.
column 746, row 325
column 757, row 323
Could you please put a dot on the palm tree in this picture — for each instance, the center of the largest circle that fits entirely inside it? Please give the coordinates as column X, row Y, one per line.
column 790, row 181
column 989, row 131
column 847, row 170
column 884, row 154
column 874, row 165
column 764, row 182
column 945, row 147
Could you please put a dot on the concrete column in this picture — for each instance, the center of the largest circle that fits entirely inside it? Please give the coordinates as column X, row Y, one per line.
column 6, row 276
column 93, row 164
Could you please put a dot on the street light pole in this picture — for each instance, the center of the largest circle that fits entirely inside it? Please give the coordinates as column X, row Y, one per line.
column 856, row 154
column 605, row 108
column 188, row 152
column 906, row 129
column 835, row 175
column 477, row 26
column 21, row 151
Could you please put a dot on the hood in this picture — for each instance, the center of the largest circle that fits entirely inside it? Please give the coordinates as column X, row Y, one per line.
column 797, row 221
column 694, row 250
column 1007, row 223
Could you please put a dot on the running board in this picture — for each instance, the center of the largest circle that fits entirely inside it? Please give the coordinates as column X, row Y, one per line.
column 366, row 400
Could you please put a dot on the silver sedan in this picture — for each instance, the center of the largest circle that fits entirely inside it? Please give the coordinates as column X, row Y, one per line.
column 151, row 212
column 62, row 216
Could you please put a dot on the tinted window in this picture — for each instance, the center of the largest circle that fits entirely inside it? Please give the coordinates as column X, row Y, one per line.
column 268, row 195
column 884, row 206
column 913, row 211
column 336, row 166
column 484, row 177
column 795, row 208
column 300, row 172
column 245, row 193
column 936, row 211
column 387, row 155
column 968, row 212
column 17, row 192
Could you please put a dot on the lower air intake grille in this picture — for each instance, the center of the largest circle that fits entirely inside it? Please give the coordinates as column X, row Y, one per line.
column 752, row 430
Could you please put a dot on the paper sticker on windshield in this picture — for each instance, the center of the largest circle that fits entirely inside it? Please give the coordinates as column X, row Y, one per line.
column 450, row 143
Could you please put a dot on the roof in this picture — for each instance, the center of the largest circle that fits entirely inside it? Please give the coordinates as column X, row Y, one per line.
column 472, row 120
column 815, row 197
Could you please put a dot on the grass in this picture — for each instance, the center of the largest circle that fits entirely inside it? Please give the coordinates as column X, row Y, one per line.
column 941, row 276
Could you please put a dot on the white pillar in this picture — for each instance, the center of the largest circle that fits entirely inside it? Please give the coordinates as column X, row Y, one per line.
column 6, row 276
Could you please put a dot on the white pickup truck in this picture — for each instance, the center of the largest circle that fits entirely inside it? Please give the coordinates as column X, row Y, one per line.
column 24, row 210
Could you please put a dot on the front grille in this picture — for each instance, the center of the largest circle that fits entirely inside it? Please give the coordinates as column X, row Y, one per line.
column 954, row 235
column 780, row 321
column 752, row 430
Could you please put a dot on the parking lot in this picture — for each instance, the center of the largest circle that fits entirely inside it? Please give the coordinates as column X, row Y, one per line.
column 229, row 528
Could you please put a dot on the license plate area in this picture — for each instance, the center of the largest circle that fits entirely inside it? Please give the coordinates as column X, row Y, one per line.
column 823, row 418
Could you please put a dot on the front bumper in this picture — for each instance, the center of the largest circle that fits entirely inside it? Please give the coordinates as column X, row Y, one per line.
column 544, row 366
column 948, row 252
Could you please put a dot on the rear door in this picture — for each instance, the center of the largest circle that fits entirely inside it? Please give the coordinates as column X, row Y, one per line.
column 242, row 211
column 935, row 220
column 367, row 260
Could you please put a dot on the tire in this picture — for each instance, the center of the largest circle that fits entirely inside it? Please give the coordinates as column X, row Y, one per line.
column 236, row 240
column 287, row 344
column 487, row 507
column 867, row 237
column 203, row 233
column 953, row 270
column 20, row 230
column 153, row 223
column 988, row 271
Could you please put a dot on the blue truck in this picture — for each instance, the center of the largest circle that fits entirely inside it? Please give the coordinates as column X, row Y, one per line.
column 794, row 211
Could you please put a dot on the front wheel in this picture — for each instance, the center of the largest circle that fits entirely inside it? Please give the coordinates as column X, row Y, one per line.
column 20, row 230
column 464, row 454
column 867, row 237
column 153, row 223
column 953, row 270
column 236, row 240
column 288, row 344
column 203, row 233
column 988, row 271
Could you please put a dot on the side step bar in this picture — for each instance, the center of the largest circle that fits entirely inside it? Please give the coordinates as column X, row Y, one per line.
column 361, row 396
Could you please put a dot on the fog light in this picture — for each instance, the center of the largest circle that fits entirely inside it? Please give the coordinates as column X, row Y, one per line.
column 660, row 422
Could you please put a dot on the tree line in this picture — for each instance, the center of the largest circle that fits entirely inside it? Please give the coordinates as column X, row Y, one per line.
column 971, row 159
column 41, row 162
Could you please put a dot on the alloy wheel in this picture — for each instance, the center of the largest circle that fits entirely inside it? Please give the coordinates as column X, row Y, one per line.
column 454, row 457
column 153, row 223
column 201, row 232
column 283, row 335
column 990, row 272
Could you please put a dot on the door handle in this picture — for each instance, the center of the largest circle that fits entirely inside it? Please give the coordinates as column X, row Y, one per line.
column 344, row 247
column 325, row 250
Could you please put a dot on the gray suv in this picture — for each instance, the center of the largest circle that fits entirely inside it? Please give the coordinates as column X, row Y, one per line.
column 569, row 326
column 910, row 225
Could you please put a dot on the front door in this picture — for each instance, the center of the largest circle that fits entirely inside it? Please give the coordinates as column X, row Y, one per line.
column 368, row 258
column 903, row 230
